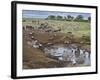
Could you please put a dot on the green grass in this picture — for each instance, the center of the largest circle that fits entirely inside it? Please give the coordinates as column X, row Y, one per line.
column 77, row 28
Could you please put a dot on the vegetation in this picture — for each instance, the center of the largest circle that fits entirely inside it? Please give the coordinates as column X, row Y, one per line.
column 68, row 18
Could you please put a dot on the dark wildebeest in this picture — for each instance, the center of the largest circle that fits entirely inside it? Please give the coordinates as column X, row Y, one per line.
column 57, row 30
column 23, row 27
column 48, row 30
column 69, row 32
column 29, row 27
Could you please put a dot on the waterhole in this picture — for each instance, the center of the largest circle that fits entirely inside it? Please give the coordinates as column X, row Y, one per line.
column 69, row 53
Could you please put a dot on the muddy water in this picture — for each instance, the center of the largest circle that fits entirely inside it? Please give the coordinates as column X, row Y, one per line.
column 73, row 54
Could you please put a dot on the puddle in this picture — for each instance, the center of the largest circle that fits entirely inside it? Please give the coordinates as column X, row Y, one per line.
column 66, row 53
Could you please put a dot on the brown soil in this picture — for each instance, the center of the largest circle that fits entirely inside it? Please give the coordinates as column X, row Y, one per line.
column 35, row 57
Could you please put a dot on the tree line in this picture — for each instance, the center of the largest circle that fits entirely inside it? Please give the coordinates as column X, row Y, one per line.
column 68, row 18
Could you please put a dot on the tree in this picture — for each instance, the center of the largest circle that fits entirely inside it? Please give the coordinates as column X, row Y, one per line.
column 89, row 19
column 79, row 18
column 65, row 18
column 59, row 17
column 51, row 17
column 69, row 17
column 72, row 17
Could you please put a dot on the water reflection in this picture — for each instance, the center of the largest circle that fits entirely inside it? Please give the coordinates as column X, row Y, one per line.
column 74, row 54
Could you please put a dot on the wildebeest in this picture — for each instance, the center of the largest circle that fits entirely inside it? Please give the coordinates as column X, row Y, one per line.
column 48, row 30
column 57, row 30
column 43, row 25
column 31, row 33
column 33, row 38
column 24, row 27
column 69, row 32
column 29, row 27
